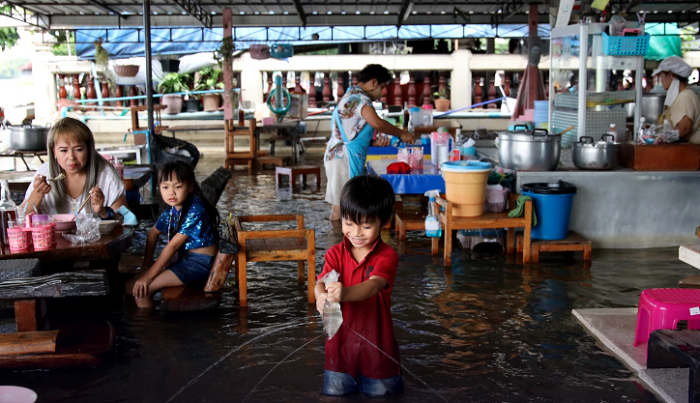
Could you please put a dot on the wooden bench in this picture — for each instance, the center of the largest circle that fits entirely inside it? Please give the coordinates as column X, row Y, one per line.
column 572, row 243
column 274, row 245
column 452, row 223
column 81, row 344
column 677, row 348
column 293, row 172
column 190, row 298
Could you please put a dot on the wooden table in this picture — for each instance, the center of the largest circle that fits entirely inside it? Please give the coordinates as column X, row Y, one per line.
column 106, row 250
column 291, row 133
column 103, row 254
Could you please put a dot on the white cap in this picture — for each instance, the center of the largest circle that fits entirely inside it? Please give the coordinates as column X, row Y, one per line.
column 675, row 65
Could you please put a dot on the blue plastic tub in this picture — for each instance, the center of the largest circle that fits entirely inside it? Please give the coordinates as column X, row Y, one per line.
column 552, row 202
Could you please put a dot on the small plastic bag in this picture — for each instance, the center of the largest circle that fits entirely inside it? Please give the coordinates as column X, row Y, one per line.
column 87, row 229
column 332, row 315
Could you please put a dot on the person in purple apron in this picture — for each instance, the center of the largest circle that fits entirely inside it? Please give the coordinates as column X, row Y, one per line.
column 353, row 127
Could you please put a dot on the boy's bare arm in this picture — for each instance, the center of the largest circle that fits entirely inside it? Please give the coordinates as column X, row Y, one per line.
column 359, row 292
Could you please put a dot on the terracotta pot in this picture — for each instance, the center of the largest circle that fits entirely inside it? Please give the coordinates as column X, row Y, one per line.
column 442, row 105
column 173, row 103
column 211, row 102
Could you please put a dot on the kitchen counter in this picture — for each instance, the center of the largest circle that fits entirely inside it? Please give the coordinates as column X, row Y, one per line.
column 630, row 209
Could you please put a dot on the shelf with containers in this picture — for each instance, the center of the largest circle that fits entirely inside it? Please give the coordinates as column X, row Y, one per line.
column 583, row 58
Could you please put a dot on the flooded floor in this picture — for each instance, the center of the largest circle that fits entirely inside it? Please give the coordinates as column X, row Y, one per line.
column 488, row 330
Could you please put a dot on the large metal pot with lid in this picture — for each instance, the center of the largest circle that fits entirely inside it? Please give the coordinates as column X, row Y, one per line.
column 533, row 150
column 600, row 155
column 28, row 137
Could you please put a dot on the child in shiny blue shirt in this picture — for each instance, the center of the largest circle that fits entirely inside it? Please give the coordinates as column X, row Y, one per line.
column 191, row 225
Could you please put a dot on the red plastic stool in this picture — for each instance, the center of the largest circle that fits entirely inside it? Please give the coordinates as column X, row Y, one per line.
column 662, row 308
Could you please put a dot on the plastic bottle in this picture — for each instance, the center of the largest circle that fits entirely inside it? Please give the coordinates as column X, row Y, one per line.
column 641, row 131
column 406, row 116
column 7, row 210
column 613, row 132
column 433, row 229
column 332, row 314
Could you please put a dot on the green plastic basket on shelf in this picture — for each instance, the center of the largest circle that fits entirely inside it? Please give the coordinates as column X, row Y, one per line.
column 625, row 45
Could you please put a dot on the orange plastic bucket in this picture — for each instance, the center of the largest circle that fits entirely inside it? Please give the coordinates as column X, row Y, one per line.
column 465, row 186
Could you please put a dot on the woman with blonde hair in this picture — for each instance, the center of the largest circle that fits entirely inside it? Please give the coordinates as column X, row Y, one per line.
column 71, row 152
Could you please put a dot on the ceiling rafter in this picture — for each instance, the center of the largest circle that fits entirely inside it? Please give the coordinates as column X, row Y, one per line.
column 406, row 7
column 19, row 13
column 106, row 7
column 195, row 9
column 300, row 12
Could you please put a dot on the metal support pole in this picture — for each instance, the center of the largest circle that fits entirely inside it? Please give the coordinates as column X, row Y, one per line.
column 149, row 70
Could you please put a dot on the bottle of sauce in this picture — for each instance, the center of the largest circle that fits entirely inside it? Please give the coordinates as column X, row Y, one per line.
column 7, row 211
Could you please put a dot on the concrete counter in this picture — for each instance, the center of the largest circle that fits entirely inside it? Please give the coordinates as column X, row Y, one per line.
column 630, row 209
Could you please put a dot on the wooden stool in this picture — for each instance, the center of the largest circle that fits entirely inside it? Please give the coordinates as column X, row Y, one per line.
column 273, row 160
column 293, row 172
column 573, row 243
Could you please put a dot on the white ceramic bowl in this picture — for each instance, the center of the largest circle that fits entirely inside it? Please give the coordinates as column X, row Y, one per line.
column 64, row 222
column 107, row 226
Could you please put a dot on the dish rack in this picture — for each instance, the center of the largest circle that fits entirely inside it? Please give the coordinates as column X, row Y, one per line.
column 597, row 123
column 594, row 99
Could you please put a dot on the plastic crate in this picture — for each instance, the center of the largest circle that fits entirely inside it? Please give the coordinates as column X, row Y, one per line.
column 625, row 45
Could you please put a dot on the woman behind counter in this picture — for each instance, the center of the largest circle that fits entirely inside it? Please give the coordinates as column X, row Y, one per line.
column 682, row 106
column 71, row 151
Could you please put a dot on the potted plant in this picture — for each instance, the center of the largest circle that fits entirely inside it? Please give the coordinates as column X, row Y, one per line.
column 224, row 56
column 442, row 104
column 172, row 83
column 209, row 80
column 169, row 63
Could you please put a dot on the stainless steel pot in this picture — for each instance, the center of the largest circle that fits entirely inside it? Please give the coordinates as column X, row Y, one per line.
column 652, row 107
column 533, row 150
column 28, row 138
column 595, row 155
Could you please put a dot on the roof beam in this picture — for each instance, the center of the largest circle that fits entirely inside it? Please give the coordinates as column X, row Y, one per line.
column 406, row 7
column 195, row 9
column 106, row 7
column 300, row 12
column 18, row 13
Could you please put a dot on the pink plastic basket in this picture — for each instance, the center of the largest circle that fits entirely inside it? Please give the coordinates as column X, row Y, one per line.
column 43, row 237
column 18, row 239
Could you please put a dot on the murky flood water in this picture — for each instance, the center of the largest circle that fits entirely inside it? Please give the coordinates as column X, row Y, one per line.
column 488, row 330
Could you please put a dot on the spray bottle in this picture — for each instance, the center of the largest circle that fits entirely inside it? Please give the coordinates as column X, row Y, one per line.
column 433, row 229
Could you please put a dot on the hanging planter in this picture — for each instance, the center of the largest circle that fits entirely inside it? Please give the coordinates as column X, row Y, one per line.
column 170, row 66
column 282, row 51
column 126, row 70
column 259, row 52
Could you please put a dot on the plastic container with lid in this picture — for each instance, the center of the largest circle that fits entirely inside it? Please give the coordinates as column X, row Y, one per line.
column 553, row 202
column 465, row 186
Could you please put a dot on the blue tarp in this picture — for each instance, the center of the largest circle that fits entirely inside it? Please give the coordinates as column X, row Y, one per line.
column 128, row 42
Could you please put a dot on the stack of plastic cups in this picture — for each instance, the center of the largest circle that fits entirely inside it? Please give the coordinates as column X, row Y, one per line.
column 541, row 115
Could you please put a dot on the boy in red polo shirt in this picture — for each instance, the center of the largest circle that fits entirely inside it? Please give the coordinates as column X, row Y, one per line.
column 367, row 268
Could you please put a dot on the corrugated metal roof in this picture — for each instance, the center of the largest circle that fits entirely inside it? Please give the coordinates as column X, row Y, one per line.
column 125, row 13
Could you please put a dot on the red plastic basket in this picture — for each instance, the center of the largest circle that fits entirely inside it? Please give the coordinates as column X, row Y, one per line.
column 18, row 239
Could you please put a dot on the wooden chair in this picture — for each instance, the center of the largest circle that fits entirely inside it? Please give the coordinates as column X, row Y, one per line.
column 275, row 245
column 159, row 129
column 490, row 220
column 246, row 157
